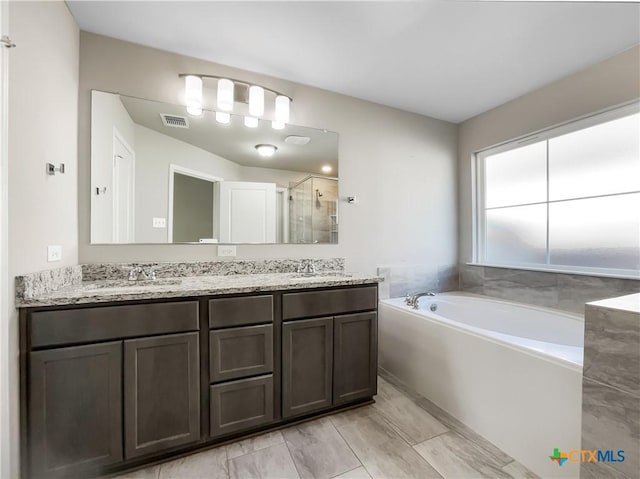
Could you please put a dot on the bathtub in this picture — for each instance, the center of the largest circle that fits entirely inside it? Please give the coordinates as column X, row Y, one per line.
column 510, row 372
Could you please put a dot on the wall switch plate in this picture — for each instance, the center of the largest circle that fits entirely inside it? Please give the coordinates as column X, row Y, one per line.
column 226, row 250
column 54, row 253
column 159, row 222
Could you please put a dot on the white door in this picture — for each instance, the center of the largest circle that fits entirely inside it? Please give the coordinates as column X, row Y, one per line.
column 247, row 212
column 123, row 191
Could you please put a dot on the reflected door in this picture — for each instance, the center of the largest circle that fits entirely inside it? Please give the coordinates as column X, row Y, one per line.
column 123, row 191
column 247, row 212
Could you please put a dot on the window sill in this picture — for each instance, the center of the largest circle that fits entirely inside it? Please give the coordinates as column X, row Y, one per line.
column 598, row 274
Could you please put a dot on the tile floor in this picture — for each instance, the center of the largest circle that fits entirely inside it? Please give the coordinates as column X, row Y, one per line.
column 402, row 435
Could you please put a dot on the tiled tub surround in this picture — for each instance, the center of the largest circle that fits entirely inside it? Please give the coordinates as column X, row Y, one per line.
column 567, row 292
column 611, row 385
column 400, row 280
column 512, row 373
column 90, row 283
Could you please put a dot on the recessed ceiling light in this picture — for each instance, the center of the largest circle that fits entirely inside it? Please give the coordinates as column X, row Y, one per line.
column 326, row 169
column 266, row 151
column 297, row 140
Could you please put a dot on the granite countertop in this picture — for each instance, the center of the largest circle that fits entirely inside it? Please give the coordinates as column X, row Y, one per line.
column 110, row 290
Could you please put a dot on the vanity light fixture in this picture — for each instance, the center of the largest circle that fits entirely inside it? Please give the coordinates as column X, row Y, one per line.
column 250, row 122
column 193, row 94
column 222, row 117
column 230, row 91
column 265, row 150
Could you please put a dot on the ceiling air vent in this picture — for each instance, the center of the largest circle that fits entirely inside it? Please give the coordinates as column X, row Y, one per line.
column 174, row 121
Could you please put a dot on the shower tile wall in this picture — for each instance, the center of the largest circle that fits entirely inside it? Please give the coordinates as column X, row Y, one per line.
column 406, row 279
column 611, row 386
column 568, row 292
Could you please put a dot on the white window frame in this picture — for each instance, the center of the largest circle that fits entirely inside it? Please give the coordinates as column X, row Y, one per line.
column 478, row 172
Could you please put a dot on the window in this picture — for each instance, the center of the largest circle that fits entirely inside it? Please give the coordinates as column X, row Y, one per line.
column 564, row 199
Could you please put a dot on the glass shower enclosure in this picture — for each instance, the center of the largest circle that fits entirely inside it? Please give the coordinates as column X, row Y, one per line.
column 313, row 210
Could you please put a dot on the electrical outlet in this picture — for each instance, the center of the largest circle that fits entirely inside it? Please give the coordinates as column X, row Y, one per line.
column 159, row 222
column 54, row 253
column 226, row 250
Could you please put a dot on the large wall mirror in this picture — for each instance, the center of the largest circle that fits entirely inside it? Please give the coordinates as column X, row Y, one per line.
column 159, row 175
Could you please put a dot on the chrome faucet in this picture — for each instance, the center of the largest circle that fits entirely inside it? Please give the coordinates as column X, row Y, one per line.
column 413, row 299
column 138, row 273
column 306, row 266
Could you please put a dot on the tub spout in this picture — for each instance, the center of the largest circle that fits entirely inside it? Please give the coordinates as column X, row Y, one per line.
column 413, row 299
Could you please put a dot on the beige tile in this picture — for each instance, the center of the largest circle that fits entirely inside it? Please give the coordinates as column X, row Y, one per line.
column 318, row 450
column 448, row 420
column 412, row 422
column 347, row 417
column 518, row 471
column 210, row 464
column 455, row 457
column 357, row 473
column 273, row 462
column 382, row 451
column 247, row 446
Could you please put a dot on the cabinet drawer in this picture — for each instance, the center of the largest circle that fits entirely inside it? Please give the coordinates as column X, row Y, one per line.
column 50, row 328
column 329, row 302
column 226, row 312
column 241, row 405
column 240, row 352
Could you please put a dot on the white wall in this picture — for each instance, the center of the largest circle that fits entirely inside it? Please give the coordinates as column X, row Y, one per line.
column 603, row 85
column 155, row 152
column 43, row 106
column 113, row 117
column 402, row 166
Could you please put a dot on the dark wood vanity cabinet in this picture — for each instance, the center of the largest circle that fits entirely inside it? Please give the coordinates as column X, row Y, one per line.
column 75, row 408
column 95, row 405
column 241, row 364
column 110, row 387
column 329, row 360
column 161, row 393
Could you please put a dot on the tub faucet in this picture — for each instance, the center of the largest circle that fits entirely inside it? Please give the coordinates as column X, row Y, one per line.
column 413, row 299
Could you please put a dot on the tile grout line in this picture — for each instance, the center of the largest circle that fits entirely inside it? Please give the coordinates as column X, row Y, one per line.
column 351, row 449
column 286, row 444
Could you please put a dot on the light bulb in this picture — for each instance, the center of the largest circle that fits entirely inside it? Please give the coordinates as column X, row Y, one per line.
column 326, row 169
column 277, row 125
column 225, row 94
column 222, row 117
column 193, row 94
column 250, row 122
column 266, row 151
column 282, row 109
column 256, row 100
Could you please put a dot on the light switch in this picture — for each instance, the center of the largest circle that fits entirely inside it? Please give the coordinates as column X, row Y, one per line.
column 54, row 253
column 159, row 222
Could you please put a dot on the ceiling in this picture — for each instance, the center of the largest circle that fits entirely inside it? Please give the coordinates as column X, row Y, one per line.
column 237, row 143
column 442, row 58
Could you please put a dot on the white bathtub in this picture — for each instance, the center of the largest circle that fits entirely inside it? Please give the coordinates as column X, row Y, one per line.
column 511, row 372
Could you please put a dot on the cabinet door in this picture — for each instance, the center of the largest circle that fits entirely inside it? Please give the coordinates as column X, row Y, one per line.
column 354, row 357
column 75, row 408
column 161, row 393
column 307, row 356
column 240, row 405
